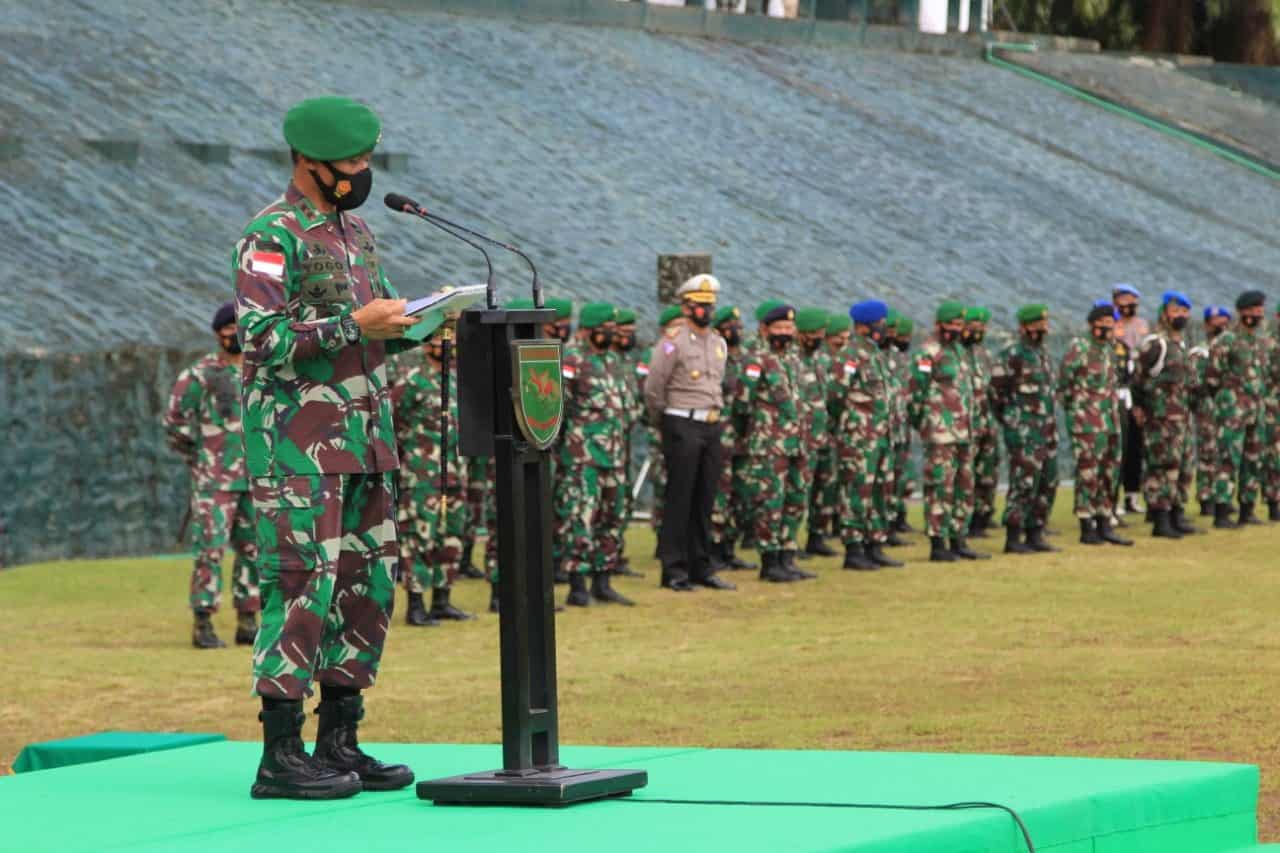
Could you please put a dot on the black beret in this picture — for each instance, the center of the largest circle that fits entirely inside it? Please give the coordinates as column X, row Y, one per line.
column 1251, row 299
column 1100, row 311
column 224, row 316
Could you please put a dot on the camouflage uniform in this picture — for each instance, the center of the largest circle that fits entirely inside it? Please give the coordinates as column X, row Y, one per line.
column 986, row 448
column 1162, row 388
column 202, row 423
column 480, row 497
column 941, row 410
column 1087, row 384
column 320, row 445
column 1271, row 424
column 627, row 364
column 727, row 510
column 904, row 475
column 1205, row 431
column 653, row 446
column 1122, row 362
column 1233, row 375
column 862, row 419
column 816, row 374
column 1023, row 387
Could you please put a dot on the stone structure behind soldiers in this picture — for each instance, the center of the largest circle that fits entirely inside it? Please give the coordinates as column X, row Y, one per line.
column 815, row 379
column 1234, row 376
column 202, row 423
column 1205, row 431
column 985, row 444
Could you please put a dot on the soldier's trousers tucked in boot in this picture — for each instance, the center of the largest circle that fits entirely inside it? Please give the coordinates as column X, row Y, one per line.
column 1222, row 517
column 875, row 553
column 338, row 747
column 1106, row 534
column 1178, row 518
column 578, row 595
column 773, row 569
column 818, row 546
column 416, row 613
column 856, row 559
column 793, row 568
column 602, row 590
column 1036, row 542
column 493, row 597
column 938, row 552
column 246, row 628
column 1089, row 533
column 961, row 549
column 468, row 569
column 1013, row 543
column 286, row 771
column 1162, row 525
column 202, row 633
column 442, row 609
column 1246, row 515
column 1273, row 511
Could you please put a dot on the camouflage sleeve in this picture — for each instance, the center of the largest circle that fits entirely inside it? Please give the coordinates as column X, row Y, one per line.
column 1004, row 378
column 1148, row 357
column 1068, row 372
column 918, row 392
column 404, row 400
column 740, row 407
column 264, row 264
column 1215, row 366
column 661, row 360
column 398, row 345
column 181, row 418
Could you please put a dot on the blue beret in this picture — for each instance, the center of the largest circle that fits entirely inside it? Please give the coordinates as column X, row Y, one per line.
column 1175, row 296
column 868, row 313
column 778, row 312
column 224, row 316
column 1126, row 288
column 1211, row 311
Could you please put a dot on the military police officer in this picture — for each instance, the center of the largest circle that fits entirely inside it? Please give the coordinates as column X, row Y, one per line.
column 1233, row 376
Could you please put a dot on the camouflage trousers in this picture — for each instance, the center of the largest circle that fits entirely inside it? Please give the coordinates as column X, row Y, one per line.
column 906, row 479
column 1033, row 482
column 824, row 494
column 948, row 489
column 866, row 490
column 1271, row 454
column 1239, row 460
column 219, row 520
column 431, row 535
column 479, row 497
column 1166, row 462
column 728, row 511
column 328, row 561
column 1097, row 459
column 1206, row 436
column 592, row 501
column 775, row 492
column 986, row 471
column 657, row 474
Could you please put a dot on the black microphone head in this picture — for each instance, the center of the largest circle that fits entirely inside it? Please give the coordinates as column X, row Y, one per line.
column 402, row 203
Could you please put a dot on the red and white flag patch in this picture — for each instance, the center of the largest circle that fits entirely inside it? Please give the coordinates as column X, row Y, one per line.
column 569, row 371
column 642, row 369
column 752, row 371
column 924, row 365
column 850, row 368
column 267, row 263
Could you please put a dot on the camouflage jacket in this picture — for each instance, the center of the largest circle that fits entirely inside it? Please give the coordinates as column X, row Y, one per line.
column 815, row 383
column 1201, row 400
column 202, row 422
column 1271, row 378
column 312, row 403
column 941, row 394
column 898, row 364
column 627, row 364
column 1234, row 374
column 1023, row 388
column 1163, row 381
column 595, row 408
column 419, row 427
column 861, row 395
column 766, row 406
column 1087, row 384
column 981, row 365
column 730, row 440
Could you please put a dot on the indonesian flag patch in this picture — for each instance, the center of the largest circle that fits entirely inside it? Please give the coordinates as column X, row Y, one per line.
column 924, row 365
column 267, row 263
column 752, row 371
column 850, row 368
column 569, row 371
column 642, row 369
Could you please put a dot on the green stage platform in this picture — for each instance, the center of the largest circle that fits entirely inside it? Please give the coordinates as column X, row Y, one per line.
column 196, row 799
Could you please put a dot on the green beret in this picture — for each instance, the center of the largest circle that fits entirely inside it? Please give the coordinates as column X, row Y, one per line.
column 724, row 314
column 519, row 304
column 624, row 317
column 563, row 307
column 905, row 325
column 891, row 317
column 595, row 314
column 950, row 310
column 838, row 323
column 764, row 308
column 977, row 314
column 671, row 312
column 331, row 128
column 1031, row 313
column 811, row 320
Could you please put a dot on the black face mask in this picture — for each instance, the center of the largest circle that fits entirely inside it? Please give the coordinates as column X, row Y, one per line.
column 1102, row 333
column 230, row 345
column 1250, row 321
column 700, row 315
column 348, row 190
column 732, row 336
column 948, row 336
column 811, row 344
column 885, row 343
column 780, row 343
column 902, row 344
column 1128, row 310
column 1212, row 332
column 436, row 352
column 1177, row 323
column 561, row 333
column 623, row 342
column 1035, row 338
column 602, row 337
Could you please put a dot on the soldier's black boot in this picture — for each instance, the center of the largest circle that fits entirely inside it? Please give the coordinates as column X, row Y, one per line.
column 856, row 559
column 875, row 553
column 578, row 595
column 338, row 747
column 790, row 565
column 938, row 552
column 493, row 597
column 818, row 546
column 416, row 613
column 1035, row 541
column 286, row 771
column 1206, row 507
column 1222, row 517
column 1246, row 515
column 716, row 558
column 441, row 608
column 1162, row 525
column 246, row 628
column 602, row 590
column 893, row 540
column 1089, row 532
column 1013, row 543
column 1178, row 518
column 900, row 524
column 558, row 574
column 1106, row 534
column 772, row 569
column 1273, row 511
column 469, row 569
column 961, row 549
column 202, row 633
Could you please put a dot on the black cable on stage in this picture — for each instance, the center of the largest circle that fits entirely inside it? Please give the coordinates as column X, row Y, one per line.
column 1022, row 827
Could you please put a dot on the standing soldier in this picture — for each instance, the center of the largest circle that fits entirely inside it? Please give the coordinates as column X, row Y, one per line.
column 1123, row 366
column 905, row 477
column 1216, row 320
column 589, row 490
column 861, row 412
column 941, row 410
column 1131, row 330
column 480, row 482
column 815, row 383
column 1087, row 384
column 1023, row 388
column 626, row 358
column 1271, row 423
column 986, row 448
column 317, row 318
column 1233, row 376
column 670, row 324
column 726, row 513
column 839, row 333
column 203, row 425
column 1162, row 390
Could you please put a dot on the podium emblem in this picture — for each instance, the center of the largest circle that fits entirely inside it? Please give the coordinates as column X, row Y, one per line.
column 539, row 396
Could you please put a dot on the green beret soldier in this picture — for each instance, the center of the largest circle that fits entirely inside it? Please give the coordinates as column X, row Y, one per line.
column 905, row 476
column 317, row 319
column 1234, row 376
column 728, row 512
column 816, row 377
column 986, row 446
column 626, row 356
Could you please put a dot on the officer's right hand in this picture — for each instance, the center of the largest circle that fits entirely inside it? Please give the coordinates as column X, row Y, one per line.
column 383, row 318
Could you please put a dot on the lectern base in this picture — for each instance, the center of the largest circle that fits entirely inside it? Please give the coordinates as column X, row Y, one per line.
column 559, row 787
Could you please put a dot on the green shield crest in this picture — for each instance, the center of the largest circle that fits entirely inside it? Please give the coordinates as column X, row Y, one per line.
column 539, row 392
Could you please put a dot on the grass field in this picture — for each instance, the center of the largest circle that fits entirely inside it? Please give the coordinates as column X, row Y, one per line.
column 1166, row 650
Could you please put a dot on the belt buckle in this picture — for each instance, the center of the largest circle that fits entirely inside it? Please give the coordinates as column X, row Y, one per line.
column 713, row 415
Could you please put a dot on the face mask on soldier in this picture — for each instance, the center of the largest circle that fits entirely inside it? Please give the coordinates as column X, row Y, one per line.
column 1250, row 320
column 1128, row 310
column 1035, row 337
column 348, row 190
column 948, row 336
column 1178, row 323
column 602, row 337
column 1102, row 333
column 810, row 343
column 562, row 332
column 700, row 315
column 1212, row 332
column 624, row 341
column 903, row 344
column 732, row 335
column 230, row 344
column 780, row 343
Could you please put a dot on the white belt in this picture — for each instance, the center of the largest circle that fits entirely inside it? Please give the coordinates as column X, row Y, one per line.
column 708, row 416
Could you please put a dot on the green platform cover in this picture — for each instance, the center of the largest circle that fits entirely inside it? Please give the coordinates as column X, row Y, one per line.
column 99, row 747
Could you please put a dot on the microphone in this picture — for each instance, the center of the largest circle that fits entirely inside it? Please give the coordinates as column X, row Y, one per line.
column 403, row 203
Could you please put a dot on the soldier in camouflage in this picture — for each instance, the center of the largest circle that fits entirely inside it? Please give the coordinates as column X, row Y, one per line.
column 941, row 410
column 839, row 336
column 1162, row 388
column 202, row 423
column 1234, row 376
column 317, row 318
column 626, row 357
column 1022, row 386
column 1271, row 423
column 905, row 476
column 815, row 385
column 1205, row 433
column 479, row 495
column 727, row 511
column 1087, row 385
column 986, row 447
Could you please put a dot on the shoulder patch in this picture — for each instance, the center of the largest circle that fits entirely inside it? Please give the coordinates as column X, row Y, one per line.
column 850, row 367
column 752, row 370
column 668, row 347
column 924, row 364
column 568, row 371
column 672, row 332
column 266, row 260
column 642, row 368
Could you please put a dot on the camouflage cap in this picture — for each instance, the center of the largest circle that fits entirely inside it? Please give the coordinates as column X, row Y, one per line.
column 724, row 314
column 838, row 324
column 331, row 128
column 671, row 312
column 950, row 310
column 563, row 307
column 977, row 314
column 595, row 314
column 811, row 320
column 624, row 317
column 765, row 307
column 1033, row 312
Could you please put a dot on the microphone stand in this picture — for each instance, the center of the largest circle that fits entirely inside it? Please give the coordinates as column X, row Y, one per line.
column 440, row 221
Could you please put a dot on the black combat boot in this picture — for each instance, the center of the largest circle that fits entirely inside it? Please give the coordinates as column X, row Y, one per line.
column 716, row 558
column 978, row 525
column 602, row 590
column 961, row 549
column 1206, row 507
column 1246, row 515
column 938, row 552
column 202, row 633
column 1013, row 543
column 493, row 597
column 818, row 546
column 246, row 628
column 900, row 524
column 1162, row 525
column 1035, row 541
column 772, row 569
column 1089, row 533
column 286, row 771
column 1273, row 511
column 856, row 560
column 893, row 540
column 875, row 553
column 338, row 747
column 578, row 595
column 442, row 609
column 469, row 569
column 1107, row 534
column 1222, row 517
column 1178, row 518
column 416, row 613
column 790, row 565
